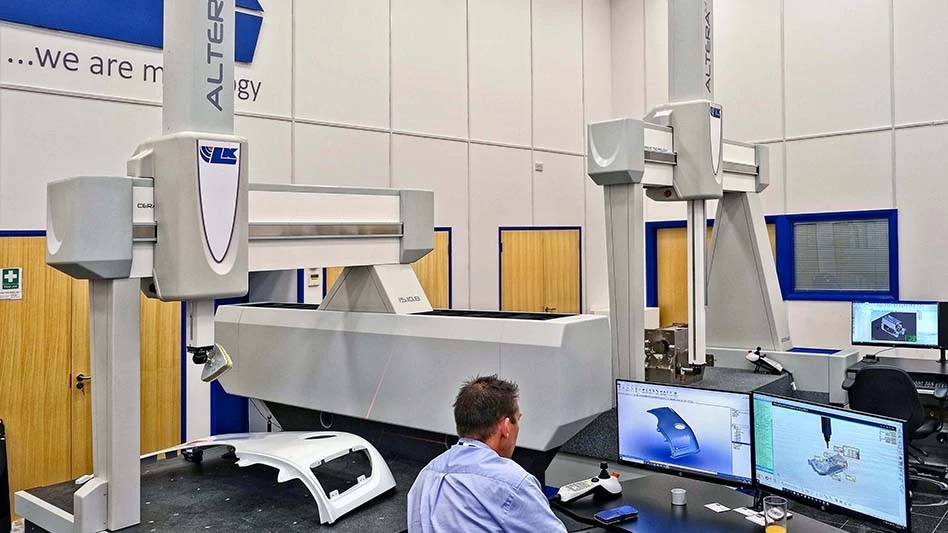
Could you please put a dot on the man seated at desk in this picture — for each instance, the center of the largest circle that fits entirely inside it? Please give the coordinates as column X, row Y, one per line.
column 475, row 486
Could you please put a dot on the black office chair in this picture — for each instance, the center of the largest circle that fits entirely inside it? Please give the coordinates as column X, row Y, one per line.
column 888, row 391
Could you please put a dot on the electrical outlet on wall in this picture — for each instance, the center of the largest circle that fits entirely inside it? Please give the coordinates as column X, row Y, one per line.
column 315, row 277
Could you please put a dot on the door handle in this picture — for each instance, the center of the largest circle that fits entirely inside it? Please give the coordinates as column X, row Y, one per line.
column 549, row 309
column 81, row 380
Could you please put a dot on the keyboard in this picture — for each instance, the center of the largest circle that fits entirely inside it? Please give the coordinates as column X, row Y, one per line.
column 926, row 386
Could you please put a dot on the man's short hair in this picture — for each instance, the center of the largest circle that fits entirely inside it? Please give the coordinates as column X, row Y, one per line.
column 482, row 403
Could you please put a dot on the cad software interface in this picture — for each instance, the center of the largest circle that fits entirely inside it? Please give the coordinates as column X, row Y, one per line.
column 843, row 458
column 692, row 430
column 895, row 323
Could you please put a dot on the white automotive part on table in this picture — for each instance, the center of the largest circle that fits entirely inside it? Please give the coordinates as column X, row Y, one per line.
column 294, row 454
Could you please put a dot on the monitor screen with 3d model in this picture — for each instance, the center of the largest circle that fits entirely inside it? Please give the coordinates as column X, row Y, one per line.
column 835, row 458
column 908, row 324
column 682, row 430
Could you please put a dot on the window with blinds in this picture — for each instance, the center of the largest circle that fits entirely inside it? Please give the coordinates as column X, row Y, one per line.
column 841, row 255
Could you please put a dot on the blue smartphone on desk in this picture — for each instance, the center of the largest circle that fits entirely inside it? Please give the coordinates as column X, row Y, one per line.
column 617, row 514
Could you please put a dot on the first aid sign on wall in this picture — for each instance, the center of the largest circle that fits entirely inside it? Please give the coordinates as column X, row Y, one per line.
column 11, row 283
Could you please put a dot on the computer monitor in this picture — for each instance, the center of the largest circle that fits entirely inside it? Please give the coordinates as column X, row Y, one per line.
column 841, row 460
column 908, row 324
column 687, row 431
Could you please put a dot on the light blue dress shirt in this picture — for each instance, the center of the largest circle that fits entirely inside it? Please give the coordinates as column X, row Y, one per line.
column 469, row 488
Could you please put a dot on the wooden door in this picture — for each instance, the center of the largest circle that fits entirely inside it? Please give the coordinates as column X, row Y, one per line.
column 540, row 270
column 44, row 345
column 433, row 271
column 672, row 266
column 35, row 357
column 161, row 374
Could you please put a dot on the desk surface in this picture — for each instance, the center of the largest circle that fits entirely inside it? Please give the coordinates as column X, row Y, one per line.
column 920, row 368
column 651, row 496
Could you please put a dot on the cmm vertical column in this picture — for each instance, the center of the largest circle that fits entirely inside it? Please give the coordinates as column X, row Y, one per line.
column 198, row 96
column 691, row 78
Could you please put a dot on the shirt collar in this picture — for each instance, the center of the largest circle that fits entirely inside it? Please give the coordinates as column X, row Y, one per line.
column 472, row 443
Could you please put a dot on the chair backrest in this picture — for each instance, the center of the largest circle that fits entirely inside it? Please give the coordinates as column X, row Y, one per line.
column 887, row 391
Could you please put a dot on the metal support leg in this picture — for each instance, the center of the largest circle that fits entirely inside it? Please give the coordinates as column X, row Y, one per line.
column 625, row 253
column 697, row 281
column 112, row 499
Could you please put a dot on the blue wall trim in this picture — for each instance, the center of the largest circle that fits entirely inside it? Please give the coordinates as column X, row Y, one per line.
column 500, row 254
column 450, row 263
column 23, row 233
column 229, row 413
column 783, row 233
column 786, row 262
column 184, row 372
column 300, row 285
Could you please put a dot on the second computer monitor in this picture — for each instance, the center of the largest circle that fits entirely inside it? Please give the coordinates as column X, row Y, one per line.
column 909, row 324
column 832, row 457
column 696, row 432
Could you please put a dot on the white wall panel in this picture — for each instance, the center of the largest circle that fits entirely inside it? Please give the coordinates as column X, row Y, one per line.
column 851, row 172
column 655, row 211
column 45, row 138
column 340, row 156
column 558, row 75
column 747, row 77
column 558, row 191
column 628, row 58
column 921, row 52
column 439, row 166
column 597, row 60
column 272, row 69
column 500, row 196
column 271, row 157
column 837, row 65
column 820, row 324
column 773, row 199
column 429, row 66
column 921, row 160
column 342, row 61
column 500, row 70
column 656, row 53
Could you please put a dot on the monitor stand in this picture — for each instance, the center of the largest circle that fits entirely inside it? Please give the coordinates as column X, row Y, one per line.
column 941, row 359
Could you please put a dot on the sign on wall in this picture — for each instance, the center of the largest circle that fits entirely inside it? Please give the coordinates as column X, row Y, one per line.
column 111, row 48
column 11, row 283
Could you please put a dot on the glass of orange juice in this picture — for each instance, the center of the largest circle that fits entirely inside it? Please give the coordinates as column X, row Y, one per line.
column 775, row 514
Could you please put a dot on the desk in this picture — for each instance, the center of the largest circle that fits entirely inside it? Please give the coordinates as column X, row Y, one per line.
column 650, row 495
column 926, row 373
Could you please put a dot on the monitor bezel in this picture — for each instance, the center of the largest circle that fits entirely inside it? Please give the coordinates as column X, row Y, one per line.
column 827, row 506
column 675, row 471
column 852, row 323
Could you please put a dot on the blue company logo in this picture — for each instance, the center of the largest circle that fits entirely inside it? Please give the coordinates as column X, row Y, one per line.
column 128, row 21
column 217, row 155
column 715, row 112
